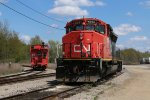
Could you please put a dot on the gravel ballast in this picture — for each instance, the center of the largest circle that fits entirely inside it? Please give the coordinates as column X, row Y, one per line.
column 17, row 88
column 94, row 92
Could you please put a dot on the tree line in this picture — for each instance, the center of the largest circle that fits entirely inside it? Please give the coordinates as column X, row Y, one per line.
column 132, row 56
column 13, row 49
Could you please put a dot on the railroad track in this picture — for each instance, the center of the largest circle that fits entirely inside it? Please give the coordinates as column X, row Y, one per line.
column 32, row 94
column 26, row 66
column 51, row 92
column 77, row 89
column 25, row 78
column 26, row 73
column 14, row 75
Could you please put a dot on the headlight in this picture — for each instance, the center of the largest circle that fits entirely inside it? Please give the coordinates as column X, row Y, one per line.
column 81, row 36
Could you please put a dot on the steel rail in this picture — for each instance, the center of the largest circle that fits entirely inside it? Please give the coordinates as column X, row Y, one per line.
column 65, row 93
column 24, row 78
column 42, row 94
column 22, row 73
column 17, row 96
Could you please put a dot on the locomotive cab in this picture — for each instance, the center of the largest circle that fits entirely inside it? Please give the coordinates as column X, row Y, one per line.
column 88, row 51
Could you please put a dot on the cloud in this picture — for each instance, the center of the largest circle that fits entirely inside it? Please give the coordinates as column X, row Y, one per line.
column 125, row 29
column 0, row 13
column 54, row 25
column 140, row 43
column 120, row 46
column 129, row 14
column 78, row 3
column 25, row 38
column 69, row 11
column 148, row 43
column 3, row 1
column 74, row 3
column 145, row 3
column 137, row 42
column 100, row 3
column 139, row 38
column 73, row 7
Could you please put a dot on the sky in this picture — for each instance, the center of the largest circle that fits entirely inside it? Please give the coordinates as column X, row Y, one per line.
column 130, row 19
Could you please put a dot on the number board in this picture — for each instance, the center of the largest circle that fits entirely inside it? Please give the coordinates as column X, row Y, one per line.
column 91, row 22
column 77, row 22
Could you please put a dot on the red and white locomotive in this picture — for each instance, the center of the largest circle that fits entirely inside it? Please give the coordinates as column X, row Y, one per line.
column 39, row 56
column 88, row 51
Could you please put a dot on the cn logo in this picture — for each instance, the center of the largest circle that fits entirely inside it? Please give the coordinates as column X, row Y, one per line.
column 77, row 48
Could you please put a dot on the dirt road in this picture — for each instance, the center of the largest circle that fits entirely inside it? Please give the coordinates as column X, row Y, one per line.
column 134, row 84
column 135, row 88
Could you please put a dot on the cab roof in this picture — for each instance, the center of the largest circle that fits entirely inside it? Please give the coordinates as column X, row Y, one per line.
column 84, row 20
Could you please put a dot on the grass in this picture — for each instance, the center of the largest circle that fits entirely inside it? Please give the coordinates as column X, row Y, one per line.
column 5, row 69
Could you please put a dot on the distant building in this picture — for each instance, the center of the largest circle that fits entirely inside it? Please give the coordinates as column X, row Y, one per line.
column 145, row 60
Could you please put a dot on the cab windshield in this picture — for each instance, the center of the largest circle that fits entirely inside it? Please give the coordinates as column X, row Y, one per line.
column 79, row 27
column 89, row 25
column 39, row 53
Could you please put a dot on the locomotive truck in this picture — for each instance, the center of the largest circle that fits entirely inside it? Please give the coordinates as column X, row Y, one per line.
column 89, row 51
column 39, row 55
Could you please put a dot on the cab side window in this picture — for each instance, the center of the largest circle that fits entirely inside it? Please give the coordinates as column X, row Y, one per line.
column 44, row 55
column 100, row 29
column 69, row 29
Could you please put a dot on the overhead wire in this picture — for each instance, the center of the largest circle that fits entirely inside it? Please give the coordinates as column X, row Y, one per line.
column 38, row 12
column 29, row 17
